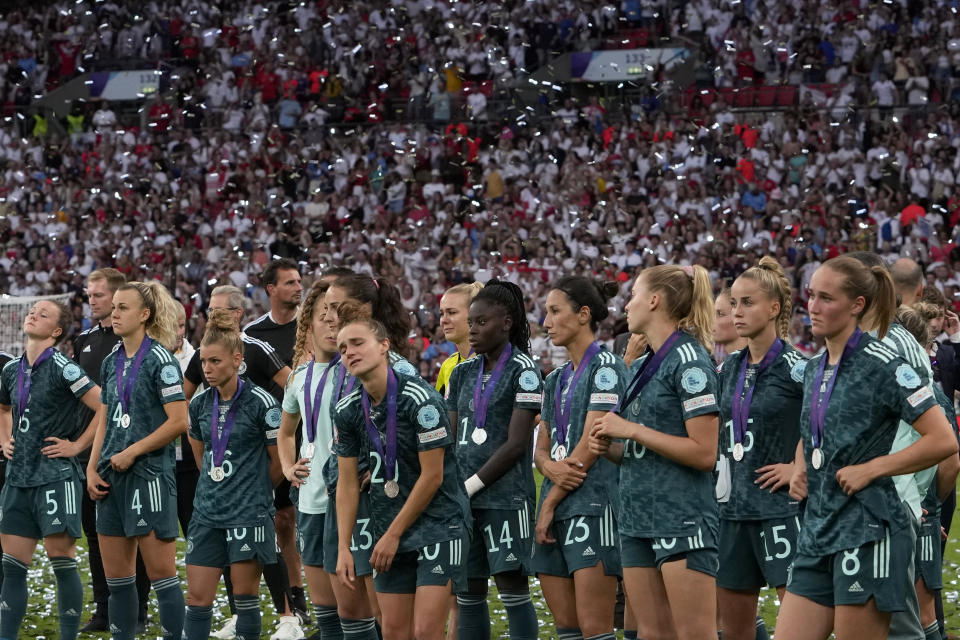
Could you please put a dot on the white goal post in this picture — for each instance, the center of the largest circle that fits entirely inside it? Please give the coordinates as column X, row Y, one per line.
column 13, row 310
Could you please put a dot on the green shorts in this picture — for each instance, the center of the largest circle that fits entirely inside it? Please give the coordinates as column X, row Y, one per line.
column 756, row 553
column 310, row 528
column 136, row 506
column 361, row 543
column 501, row 542
column 435, row 565
column 880, row 569
column 929, row 558
column 38, row 512
column 581, row 542
column 700, row 551
column 215, row 547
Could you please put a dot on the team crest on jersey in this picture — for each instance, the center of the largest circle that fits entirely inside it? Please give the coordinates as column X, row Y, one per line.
column 693, row 380
column 72, row 372
column 605, row 379
column 243, row 367
column 404, row 366
column 169, row 374
column 797, row 370
column 273, row 417
column 907, row 377
column 528, row 381
column 428, row 417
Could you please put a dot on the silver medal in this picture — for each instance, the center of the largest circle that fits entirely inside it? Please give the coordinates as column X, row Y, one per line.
column 125, row 420
column 391, row 488
column 560, row 453
column 738, row 451
column 217, row 474
column 817, row 458
column 479, row 436
column 308, row 450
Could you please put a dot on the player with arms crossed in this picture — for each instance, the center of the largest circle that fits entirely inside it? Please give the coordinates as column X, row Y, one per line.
column 132, row 468
column 494, row 400
column 41, row 393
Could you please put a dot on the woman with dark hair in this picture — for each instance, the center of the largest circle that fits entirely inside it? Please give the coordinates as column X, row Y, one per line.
column 576, row 554
column 385, row 305
column 493, row 401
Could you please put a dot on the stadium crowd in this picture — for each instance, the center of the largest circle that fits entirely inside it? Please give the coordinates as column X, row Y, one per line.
column 234, row 169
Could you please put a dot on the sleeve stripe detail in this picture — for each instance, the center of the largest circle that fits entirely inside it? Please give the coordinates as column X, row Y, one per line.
column 251, row 340
column 162, row 354
column 418, row 398
column 268, row 400
column 415, row 392
column 687, row 354
column 198, row 396
column 253, row 323
column 525, row 360
column 346, row 400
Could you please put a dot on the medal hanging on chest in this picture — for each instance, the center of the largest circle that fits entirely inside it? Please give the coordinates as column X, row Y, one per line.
column 127, row 379
column 742, row 398
column 219, row 439
column 482, row 394
column 563, row 401
column 312, row 402
column 820, row 398
column 648, row 369
column 25, row 380
column 387, row 450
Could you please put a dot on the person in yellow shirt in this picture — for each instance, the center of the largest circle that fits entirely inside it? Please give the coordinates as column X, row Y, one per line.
column 453, row 320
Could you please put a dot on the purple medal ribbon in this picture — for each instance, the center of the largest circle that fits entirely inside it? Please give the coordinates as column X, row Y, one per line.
column 562, row 410
column 218, row 440
column 341, row 392
column 390, row 455
column 312, row 405
column 647, row 370
column 125, row 383
column 818, row 401
column 481, row 400
column 24, row 381
column 741, row 400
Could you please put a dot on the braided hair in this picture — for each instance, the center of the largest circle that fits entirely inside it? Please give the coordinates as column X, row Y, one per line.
column 510, row 297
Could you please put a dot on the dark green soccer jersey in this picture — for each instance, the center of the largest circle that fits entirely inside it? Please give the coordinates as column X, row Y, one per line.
column 422, row 425
column 55, row 391
column 931, row 501
column 659, row 497
column 159, row 382
column 245, row 495
column 330, row 471
column 600, row 388
column 772, row 432
column 874, row 391
column 520, row 387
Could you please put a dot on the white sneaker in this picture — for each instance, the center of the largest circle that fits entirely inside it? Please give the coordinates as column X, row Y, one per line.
column 288, row 628
column 228, row 631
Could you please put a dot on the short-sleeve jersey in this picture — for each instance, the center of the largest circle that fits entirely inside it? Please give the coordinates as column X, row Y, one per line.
column 446, row 369
column 772, row 433
column 281, row 337
column 245, row 495
column 931, row 500
column 875, row 390
column 659, row 497
column 260, row 364
column 422, row 425
column 911, row 486
column 331, row 472
column 158, row 383
column 600, row 388
column 312, row 497
column 520, row 387
column 56, row 387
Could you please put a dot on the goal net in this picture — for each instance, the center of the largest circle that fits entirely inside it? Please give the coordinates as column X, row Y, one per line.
column 12, row 312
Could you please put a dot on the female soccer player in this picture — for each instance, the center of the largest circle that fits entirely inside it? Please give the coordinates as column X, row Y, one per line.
column 40, row 498
column 724, row 332
column 761, row 390
column 233, row 434
column 576, row 554
column 418, row 506
column 131, row 473
column 494, row 400
column 454, row 306
column 310, row 396
column 668, row 420
column 854, row 514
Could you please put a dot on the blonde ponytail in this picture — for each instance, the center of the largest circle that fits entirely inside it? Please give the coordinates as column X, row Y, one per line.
column 162, row 323
column 700, row 320
column 688, row 297
column 308, row 308
column 774, row 283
